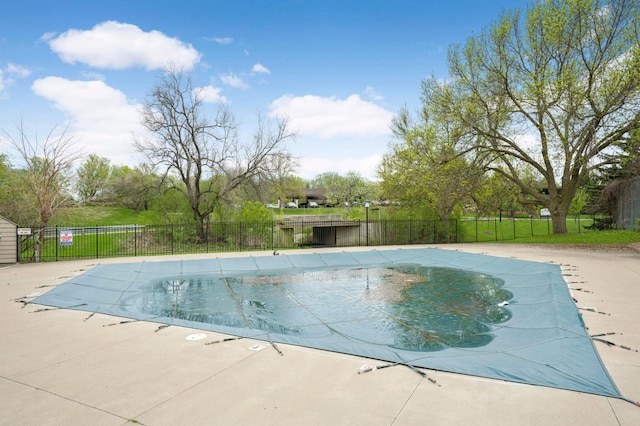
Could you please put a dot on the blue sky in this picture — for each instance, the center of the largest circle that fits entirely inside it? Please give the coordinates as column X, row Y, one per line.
column 339, row 70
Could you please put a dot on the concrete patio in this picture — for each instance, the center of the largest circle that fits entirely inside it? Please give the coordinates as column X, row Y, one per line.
column 68, row 367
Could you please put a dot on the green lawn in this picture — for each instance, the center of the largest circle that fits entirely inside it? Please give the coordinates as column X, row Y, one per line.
column 610, row 237
column 102, row 216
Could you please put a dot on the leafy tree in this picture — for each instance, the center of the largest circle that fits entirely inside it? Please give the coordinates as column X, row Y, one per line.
column 567, row 73
column 5, row 183
column 204, row 154
column 254, row 211
column 5, row 167
column 578, row 202
column 133, row 188
column 426, row 166
column 496, row 194
column 16, row 201
column 345, row 190
column 172, row 205
column 435, row 176
column 92, row 178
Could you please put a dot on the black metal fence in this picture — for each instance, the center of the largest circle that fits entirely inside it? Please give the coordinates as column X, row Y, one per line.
column 68, row 242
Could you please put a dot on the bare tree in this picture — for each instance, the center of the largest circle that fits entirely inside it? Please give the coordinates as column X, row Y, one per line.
column 204, row 153
column 47, row 171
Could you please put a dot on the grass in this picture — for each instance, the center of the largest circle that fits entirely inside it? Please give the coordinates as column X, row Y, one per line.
column 102, row 216
column 610, row 237
column 308, row 212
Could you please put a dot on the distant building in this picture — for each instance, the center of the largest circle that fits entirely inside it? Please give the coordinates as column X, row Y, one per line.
column 8, row 242
column 627, row 206
column 317, row 195
column 311, row 194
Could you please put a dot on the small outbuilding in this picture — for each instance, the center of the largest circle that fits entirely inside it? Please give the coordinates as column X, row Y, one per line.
column 8, row 242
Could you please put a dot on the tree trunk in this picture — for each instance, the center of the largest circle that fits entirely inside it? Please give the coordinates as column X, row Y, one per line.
column 559, row 212
column 201, row 231
column 40, row 243
column 559, row 221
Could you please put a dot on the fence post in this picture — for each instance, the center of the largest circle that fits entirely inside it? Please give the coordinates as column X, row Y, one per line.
column 96, row 230
column 531, row 217
column 456, row 222
column 410, row 226
column 513, row 219
column 547, row 225
column 433, row 240
column 56, row 241
column 476, row 229
column 383, row 229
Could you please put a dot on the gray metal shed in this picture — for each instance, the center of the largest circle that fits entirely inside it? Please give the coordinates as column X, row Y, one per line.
column 8, row 242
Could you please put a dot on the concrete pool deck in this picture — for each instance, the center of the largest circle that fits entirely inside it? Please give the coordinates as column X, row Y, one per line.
column 67, row 367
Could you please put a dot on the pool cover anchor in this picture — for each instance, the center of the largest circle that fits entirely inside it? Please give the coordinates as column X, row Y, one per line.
column 228, row 339
column 367, row 368
column 274, row 345
column 119, row 323
column 597, row 337
column 57, row 309
column 593, row 309
column 161, row 327
column 24, row 300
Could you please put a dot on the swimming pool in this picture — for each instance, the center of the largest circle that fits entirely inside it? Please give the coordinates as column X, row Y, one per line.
column 404, row 306
column 443, row 310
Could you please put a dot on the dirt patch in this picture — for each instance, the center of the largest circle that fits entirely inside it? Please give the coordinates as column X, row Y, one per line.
column 142, row 241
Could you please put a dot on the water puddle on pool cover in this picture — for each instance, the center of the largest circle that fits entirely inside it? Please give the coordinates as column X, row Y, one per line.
column 410, row 307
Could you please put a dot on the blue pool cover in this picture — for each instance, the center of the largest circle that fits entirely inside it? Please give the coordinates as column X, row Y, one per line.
column 443, row 310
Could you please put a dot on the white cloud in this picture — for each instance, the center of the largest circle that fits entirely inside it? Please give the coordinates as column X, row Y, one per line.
column 329, row 117
column 87, row 75
column 102, row 119
column 17, row 70
column 260, row 69
column 222, row 40
column 371, row 93
column 211, row 94
column 116, row 45
column 9, row 74
column 48, row 36
column 234, row 81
